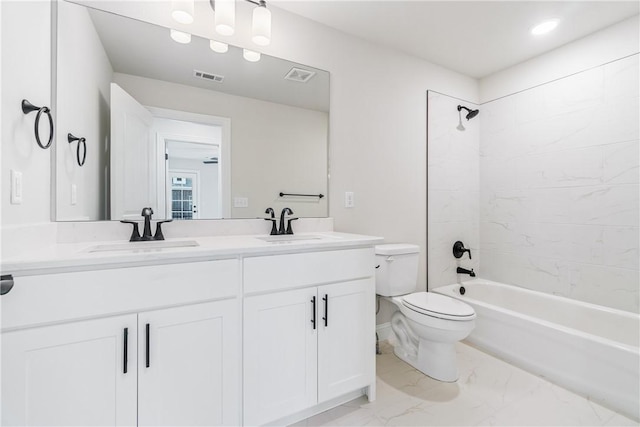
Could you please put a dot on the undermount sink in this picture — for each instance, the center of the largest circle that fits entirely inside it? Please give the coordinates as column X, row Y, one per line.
column 137, row 246
column 283, row 238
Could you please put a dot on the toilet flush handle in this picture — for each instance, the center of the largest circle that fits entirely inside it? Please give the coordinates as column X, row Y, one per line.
column 390, row 259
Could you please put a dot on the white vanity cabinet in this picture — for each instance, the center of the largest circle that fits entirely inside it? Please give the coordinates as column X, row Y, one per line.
column 248, row 335
column 188, row 365
column 169, row 366
column 307, row 345
column 70, row 374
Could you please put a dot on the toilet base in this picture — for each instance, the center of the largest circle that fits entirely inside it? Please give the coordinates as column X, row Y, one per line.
column 434, row 359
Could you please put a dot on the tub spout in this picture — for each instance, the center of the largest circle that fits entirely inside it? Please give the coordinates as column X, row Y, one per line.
column 461, row 270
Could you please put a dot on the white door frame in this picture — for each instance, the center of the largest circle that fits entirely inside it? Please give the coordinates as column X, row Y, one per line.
column 224, row 163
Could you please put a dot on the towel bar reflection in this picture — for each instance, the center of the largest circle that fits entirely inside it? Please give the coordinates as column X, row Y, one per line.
column 81, row 142
column 319, row 196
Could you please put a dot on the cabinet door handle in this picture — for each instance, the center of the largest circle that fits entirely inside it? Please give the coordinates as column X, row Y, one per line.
column 313, row 312
column 326, row 310
column 125, row 352
column 148, row 339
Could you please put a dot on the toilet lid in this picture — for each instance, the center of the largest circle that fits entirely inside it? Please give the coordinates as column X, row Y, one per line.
column 437, row 305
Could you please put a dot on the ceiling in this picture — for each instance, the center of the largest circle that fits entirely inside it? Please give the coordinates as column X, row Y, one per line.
column 475, row 38
column 143, row 49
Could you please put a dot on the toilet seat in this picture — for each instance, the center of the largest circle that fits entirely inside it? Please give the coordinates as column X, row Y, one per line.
column 439, row 306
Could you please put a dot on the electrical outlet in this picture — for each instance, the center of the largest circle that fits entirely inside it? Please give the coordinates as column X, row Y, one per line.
column 16, row 187
column 348, row 199
column 240, row 202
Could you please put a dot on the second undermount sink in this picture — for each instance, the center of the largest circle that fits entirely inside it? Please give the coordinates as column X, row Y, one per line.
column 141, row 246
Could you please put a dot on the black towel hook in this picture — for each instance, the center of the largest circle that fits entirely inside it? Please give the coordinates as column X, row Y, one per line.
column 81, row 141
column 27, row 108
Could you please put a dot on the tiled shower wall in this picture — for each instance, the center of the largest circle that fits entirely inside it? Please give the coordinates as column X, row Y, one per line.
column 453, row 189
column 559, row 187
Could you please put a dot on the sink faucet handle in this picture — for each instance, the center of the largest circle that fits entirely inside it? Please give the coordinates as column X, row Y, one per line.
column 135, row 234
column 159, row 235
column 274, row 227
column 459, row 250
column 289, row 229
column 147, row 212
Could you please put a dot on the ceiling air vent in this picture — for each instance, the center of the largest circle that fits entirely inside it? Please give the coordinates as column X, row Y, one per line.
column 208, row 76
column 299, row 75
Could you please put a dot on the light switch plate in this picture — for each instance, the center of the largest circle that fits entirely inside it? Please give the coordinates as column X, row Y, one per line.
column 16, row 187
column 74, row 194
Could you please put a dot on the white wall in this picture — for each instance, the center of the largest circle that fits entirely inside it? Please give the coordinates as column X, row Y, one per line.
column 83, row 77
column 559, row 209
column 610, row 44
column 270, row 144
column 26, row 69
column 453, row 188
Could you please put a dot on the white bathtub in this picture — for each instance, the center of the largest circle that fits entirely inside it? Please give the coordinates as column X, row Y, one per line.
column 590, row 349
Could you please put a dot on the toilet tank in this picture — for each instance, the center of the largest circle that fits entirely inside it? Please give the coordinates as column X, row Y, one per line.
column 397, row 273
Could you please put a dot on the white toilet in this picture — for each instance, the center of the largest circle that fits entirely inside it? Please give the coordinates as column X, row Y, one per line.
column 427, row 325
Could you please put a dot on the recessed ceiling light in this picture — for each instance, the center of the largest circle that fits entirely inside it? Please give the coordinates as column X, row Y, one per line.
column 544, row 27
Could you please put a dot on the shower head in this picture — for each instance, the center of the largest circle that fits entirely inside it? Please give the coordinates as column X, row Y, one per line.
column 471, row 113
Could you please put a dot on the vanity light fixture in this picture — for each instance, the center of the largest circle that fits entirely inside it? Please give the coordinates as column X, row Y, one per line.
column 180, row 36
column 251, row 55
column 544, row 27
column 225, row 20
column 218, row 47
column 225, row 16
column 182, row 11
column 261, row 25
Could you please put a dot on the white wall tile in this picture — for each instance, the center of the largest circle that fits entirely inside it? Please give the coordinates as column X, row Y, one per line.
column 621, row 163
column 609, row 286
column 559, row 194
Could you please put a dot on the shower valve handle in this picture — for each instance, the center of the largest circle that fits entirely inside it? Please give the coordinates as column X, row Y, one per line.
column 459, row 250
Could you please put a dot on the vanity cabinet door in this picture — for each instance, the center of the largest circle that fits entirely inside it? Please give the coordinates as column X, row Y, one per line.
column 280, row 354
column 189, row 365
column 80, row 373
column 346, row 337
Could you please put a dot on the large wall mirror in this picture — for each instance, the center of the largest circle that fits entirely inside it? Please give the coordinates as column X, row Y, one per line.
column 193, row 133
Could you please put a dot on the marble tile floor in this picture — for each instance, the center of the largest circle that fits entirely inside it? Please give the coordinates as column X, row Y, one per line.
column 489, row 392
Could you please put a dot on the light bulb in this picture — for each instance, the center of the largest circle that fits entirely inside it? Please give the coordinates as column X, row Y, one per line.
column 225, row 17
column 182, row 11
column 218, row 47
column 180, row 37
column 261, row 26
column 250, row 55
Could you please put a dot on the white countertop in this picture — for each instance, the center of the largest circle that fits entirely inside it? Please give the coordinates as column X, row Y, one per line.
column 60, row 258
